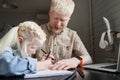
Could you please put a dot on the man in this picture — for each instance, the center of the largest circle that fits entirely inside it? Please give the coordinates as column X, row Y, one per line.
column 62, row 41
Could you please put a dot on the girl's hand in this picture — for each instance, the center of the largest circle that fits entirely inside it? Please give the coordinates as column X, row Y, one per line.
column 51, row 57
column 43, row 65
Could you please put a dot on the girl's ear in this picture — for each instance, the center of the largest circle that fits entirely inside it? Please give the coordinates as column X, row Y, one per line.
column 20, row 39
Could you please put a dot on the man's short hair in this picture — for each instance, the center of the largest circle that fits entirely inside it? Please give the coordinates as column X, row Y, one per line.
column 65, row 7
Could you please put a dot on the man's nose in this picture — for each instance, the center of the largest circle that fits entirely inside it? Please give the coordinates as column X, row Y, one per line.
column 58, row 22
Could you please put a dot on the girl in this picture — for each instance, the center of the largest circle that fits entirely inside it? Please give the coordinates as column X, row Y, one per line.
column 18, row 49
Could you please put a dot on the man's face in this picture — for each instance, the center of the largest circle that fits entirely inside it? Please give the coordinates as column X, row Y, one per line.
column 58, row 21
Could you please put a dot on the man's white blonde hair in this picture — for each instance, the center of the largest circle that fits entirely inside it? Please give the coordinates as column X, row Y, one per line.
column 65, row 7
column 29, row 30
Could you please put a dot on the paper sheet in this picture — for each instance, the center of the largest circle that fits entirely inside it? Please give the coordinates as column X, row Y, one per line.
column 48, row 73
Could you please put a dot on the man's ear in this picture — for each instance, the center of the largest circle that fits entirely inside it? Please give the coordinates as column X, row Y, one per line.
column 50, row 12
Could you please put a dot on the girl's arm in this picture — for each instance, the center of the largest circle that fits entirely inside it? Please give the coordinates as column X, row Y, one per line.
column 15, row 65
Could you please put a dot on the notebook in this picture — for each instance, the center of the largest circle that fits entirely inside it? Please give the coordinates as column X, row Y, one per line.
column 109, row 67
column 48, row 73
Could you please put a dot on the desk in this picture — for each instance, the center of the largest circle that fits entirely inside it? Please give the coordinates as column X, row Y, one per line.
column 89, row 75
column 99, row 75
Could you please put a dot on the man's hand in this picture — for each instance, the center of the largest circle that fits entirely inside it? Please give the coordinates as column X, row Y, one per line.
column 65, row 64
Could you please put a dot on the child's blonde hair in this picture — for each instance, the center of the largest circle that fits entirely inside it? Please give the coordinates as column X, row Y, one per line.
column 29, row 30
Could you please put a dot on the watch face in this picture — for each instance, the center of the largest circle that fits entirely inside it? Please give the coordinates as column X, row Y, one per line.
column 78, row 57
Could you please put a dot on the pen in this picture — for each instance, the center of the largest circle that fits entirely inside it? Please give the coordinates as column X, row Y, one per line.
column 47, row 55
column 43, row 51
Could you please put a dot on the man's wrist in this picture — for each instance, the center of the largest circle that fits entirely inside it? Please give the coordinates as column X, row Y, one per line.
column 78, row 57
column 81, row 61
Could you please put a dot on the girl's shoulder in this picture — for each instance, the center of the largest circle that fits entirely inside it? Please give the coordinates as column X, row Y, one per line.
column 7, row 50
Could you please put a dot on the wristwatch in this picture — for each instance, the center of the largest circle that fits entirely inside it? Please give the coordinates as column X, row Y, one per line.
column 81, row 61
column 78, row 57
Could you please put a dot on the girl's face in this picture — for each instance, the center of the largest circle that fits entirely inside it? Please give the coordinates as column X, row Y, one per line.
column 28, row 46
column 32, row 48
